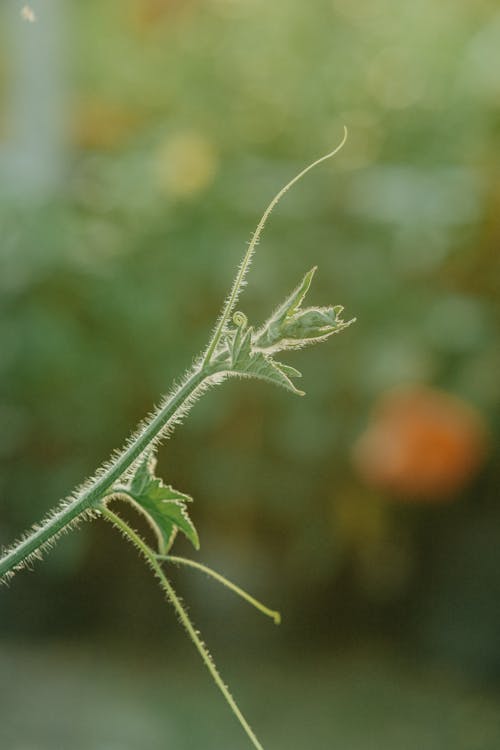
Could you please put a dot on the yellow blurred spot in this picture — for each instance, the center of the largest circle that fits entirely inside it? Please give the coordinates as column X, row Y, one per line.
column 185, row 164
column 360, row 521
column 28, row 14
column 380, row 554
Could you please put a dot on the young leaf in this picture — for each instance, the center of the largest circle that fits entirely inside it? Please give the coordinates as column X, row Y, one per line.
column 243, row 360
column 262, row 366
column 163, row 507
column 248, row 353
column 292, row 327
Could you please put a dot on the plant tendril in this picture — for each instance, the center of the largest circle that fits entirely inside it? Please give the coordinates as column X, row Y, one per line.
column 273, row 614
column 247, row 258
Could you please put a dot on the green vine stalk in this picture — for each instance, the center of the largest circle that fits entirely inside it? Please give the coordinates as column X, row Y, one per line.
column 235, row 349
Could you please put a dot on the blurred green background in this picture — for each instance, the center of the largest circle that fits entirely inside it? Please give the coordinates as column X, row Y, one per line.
column 140, row 140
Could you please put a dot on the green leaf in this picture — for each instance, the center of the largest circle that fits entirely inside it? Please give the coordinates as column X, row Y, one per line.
column 244, row 361
column 163, row 507
column 248, row 353
column 262, row 366
column 291, row 327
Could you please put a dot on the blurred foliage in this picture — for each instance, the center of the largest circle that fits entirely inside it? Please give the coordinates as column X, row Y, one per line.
column 183, row 119
column 108, row 701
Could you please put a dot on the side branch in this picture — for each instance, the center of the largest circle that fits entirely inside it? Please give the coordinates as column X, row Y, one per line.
column 183, row 616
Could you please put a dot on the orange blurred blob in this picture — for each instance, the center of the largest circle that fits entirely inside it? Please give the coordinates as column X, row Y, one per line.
column 149, row 14
column 99, row 124
column 422, row 443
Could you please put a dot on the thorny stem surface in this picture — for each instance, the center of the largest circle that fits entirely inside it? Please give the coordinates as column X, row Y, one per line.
column 247, row 259
column 87, row 499
column 172, row 597
column 92, row 497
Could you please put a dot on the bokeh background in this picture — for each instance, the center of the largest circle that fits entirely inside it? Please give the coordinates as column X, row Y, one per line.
column 140, row 141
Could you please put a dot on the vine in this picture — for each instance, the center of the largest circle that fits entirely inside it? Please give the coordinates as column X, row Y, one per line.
column 235, row 349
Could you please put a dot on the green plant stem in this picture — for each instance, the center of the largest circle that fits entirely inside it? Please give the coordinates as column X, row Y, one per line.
column 90, row 496
column 151, row 559
column 273, row 614
column 247, row 259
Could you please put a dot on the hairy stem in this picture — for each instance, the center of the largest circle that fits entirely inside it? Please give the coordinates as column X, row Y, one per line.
column 87, row 499
column 273, row 614
column 247, row 258
column 172, row 597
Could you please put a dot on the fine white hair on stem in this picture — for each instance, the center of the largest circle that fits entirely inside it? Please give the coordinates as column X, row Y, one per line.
column 239, row 281
column 183, row 618
column 37, row 554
